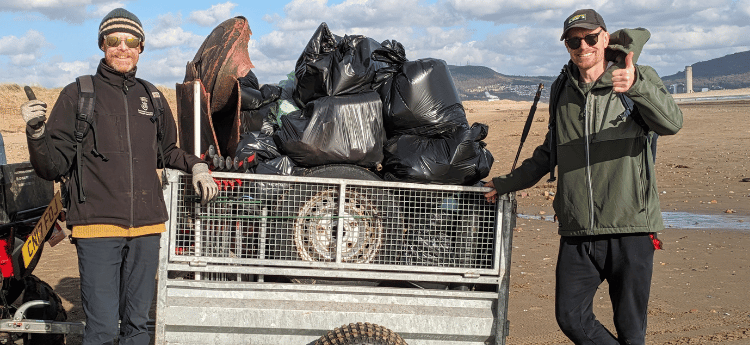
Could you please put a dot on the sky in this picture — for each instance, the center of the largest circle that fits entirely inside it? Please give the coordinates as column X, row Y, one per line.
column 50, row 42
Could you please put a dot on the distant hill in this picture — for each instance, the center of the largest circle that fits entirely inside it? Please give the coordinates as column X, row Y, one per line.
column 727, row 72
column 473, row 82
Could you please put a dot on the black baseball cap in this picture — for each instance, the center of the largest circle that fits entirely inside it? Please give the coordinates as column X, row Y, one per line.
column 586, row 18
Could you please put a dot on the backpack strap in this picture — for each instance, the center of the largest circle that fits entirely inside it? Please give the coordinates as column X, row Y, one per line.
column 84, row 123
column 158, row 119
column 632, row 111
column 554, row 99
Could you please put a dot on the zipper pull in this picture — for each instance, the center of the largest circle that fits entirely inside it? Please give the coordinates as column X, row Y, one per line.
column 125, row 85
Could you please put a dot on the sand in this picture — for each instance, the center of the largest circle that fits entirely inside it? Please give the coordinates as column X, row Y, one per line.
column 700, row 282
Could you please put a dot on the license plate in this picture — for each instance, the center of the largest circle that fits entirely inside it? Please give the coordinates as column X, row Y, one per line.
column 35, row 241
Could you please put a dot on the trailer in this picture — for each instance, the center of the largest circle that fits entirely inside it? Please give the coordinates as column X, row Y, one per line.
column 336, row 256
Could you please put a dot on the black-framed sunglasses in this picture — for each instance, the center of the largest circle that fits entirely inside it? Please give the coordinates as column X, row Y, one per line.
column 114, row 41
column 591, row 40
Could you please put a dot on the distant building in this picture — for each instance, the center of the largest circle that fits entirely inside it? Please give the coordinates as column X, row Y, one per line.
column 491, row 97
column 678, row 88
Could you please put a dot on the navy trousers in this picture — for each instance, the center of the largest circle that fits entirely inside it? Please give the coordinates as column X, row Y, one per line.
column 626, row 262
column 118, row 277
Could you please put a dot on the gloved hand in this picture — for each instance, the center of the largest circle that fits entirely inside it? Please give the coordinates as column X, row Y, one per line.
column 204, row 184
column 34, row 113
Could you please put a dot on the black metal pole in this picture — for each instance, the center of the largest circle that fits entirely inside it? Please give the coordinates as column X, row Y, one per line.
column 529, row 120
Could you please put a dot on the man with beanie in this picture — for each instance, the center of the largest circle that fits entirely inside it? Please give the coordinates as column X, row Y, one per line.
column 604, row 112
column 115, row 207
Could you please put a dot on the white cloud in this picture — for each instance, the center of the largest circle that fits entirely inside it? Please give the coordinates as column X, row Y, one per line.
column 70, row 11
column 165, row 67
column 23, row 50
column 214, row 15
column 173, row 37
column 53, row 73
column 22, row 59
column 269, row 68
column 75, row 67
column 517, row 37
column 307, row 15
column 437, row 38
column 61, row 73
column 168, row 33
column 168, row 20
column 281, row 45
column 684, row 38
column 270, row 18
column 418, row 26
column 743, row 7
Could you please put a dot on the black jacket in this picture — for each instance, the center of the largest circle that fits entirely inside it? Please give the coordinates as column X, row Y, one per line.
column 124, row 190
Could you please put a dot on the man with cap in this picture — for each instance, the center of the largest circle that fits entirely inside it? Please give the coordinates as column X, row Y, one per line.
column 118, row 214
column 604, row 113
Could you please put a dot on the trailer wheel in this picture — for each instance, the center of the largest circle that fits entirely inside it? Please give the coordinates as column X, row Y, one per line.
column 363, row 234
column 36, row 289
column 315, row 236
column 361, row 334
column 311, row 230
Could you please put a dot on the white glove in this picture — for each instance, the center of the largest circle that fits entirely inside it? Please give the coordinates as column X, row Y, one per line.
column 204, row 184
column 34, row 113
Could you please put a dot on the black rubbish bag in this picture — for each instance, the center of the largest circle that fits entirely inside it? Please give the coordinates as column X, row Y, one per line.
column 281, row 165
column 252, row 98
column 419, row 97
column 335, row 130
column 256, row 109
column 353, row 70
column 261, row 119
column 249, row 80
column 334, row 66
column 313, row 69
column 461, row 158
column 259, row 143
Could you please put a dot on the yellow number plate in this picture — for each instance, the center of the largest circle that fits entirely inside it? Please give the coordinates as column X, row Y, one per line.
column 43, row 226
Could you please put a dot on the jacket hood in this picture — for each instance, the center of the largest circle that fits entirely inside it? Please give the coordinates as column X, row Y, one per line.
column 624, row 41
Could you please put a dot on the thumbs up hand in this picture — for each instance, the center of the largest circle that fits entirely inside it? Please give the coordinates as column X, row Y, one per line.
column 623, row 78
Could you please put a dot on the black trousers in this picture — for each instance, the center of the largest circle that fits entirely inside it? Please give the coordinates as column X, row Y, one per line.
column 626, row 262
column 118, row 277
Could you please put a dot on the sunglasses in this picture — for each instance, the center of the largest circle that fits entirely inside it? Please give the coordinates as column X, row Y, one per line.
column 591, row 40
column 114, row 41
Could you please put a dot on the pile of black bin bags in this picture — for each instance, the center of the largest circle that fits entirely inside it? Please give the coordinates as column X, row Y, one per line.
column 353, row 100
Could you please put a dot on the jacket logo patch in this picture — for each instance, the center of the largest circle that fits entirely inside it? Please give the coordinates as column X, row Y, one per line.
column 144, row 107
column 576, row 18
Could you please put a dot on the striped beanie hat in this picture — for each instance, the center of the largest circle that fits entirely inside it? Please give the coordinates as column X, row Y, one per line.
column 121, row 20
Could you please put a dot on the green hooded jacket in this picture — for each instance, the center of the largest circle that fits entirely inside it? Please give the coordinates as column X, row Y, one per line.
column 607, row 183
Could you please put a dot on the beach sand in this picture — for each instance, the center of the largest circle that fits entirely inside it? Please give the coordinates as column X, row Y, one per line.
column 699, row 293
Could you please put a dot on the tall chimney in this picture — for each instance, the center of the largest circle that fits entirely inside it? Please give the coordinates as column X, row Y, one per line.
column 689, row 79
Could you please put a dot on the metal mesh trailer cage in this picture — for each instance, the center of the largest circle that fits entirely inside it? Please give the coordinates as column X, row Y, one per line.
column 284, row 259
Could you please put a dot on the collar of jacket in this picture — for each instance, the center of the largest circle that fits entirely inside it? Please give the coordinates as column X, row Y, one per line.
column 114, row 78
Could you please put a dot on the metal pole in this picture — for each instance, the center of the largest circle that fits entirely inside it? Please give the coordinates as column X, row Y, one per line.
column 197, row 151
column 197, row 118
column 506, row 235
column 527, row 127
